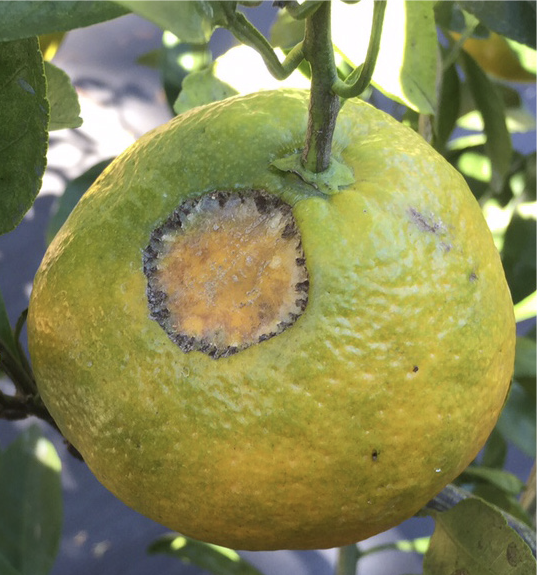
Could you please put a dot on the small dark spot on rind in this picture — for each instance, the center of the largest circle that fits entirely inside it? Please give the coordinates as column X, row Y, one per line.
column 374, row 455
column 423, row 223
column 415, row 369
column 472, row 277
column 513, row 555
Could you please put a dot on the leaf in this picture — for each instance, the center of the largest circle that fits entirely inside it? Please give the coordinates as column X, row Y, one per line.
column 519, row 256
column 177, row 60
column 190, row 21
column 516, row 20
column 286, row 32
column 6, row 568
column 24, row 116
column 50, row 43
column 517, row 421
column 74, row 190
column 529, row 175
column 213, row 558
column 504, row 501
column 489, row 103
column 495, row 450
column 406, row 64
column 31, row 504
column 23, row 19
column 500, row 478
column 63, row 99
column 526, row 308
column 526, row 55
column 525, row 358
column 200, row 88
column 448, row 107
column 226, row 78
column 6, row 333
column 473, row 538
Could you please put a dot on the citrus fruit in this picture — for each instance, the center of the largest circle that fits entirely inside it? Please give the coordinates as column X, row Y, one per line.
column 257, row 364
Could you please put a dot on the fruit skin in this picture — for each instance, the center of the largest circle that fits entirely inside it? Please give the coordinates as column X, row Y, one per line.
column 342, row 426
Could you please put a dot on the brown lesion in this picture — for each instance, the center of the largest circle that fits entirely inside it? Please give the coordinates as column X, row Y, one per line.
column 226, row 271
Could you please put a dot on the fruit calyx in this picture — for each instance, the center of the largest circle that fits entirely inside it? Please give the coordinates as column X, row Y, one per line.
column 226, row 271
column 330, row 181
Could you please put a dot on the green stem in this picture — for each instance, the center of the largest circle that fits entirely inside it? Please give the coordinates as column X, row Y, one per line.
column 347, row 561
column 19, row 374
column 304, row 10
column 324, row 102
column 249, row 35
column 360, row 78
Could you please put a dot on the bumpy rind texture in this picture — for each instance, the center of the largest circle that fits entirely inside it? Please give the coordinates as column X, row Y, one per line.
column 340, row 427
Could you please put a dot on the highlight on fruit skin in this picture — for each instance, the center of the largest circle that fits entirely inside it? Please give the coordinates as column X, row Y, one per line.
column 338, row 427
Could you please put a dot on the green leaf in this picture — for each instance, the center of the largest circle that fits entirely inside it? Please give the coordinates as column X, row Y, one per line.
column 504, row 501
column 474, row 538
column 495, row 451
column 529, row 177
column 526, row 308
column 177, row 60
column 200, row 88
column 519, row 256
column 525, row 358
column 190, row 21
column 489, row 103
column 31, row 504
column 6, row 568
column 63, row 99
column 406, row 64
column 24, row 116
column 517, row 421
column 213, row 558
column 22, row 19
column 500, row 478
column 74, row 190
column 516, row 20
column 526, row 55
column 226, row 78
column 286, row 31
column 448, row 107
column 6, row 333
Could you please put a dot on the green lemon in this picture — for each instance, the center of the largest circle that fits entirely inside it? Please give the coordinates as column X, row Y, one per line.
column 254, row 363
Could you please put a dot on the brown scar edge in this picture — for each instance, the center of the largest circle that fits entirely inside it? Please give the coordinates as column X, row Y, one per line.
column 226, row 271
column 424, row 223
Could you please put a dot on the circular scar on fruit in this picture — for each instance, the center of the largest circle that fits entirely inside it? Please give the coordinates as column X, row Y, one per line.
column 226, row 271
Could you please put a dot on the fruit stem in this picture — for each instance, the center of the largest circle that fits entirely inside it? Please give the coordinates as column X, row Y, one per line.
column 347, row 560
column 360, row 78
column 324, row 102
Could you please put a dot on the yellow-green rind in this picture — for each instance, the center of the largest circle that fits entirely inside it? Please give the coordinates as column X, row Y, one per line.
column 340, row 427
